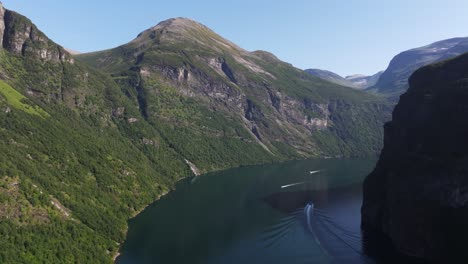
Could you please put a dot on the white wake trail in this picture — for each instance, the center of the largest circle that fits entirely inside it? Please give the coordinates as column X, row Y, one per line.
column 292, row 184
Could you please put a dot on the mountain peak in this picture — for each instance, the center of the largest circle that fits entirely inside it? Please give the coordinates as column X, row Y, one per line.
column 178, row 24
column 183, row 31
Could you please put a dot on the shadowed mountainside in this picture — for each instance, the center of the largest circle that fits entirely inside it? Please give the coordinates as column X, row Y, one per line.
column 417, row 195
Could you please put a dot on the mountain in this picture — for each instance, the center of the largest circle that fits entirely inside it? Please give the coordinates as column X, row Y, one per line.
column 84, row 149
column 417, row 195
column 363, row 81
column 285, row 111
column 72, row 52
column 357, row 81
column 330, row 76
column 394, row 80
column 75, row 163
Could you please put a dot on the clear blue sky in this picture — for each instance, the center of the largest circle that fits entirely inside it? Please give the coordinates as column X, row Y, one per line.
column 343, row 36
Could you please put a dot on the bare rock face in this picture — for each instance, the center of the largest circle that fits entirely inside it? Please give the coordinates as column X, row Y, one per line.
column 52, row 76
column 20, row 36
column 418, row 193
column 2, row 22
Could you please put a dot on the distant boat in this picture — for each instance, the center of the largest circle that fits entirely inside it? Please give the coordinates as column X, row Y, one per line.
column 298, row 183
column 292, row 184
column 308, row 212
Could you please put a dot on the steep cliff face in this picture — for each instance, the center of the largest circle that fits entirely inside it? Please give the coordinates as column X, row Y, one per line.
column 418, row 193
column 44, row 71
column 20, row 36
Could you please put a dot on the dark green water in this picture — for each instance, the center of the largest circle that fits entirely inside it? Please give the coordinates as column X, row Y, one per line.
column 245, row 216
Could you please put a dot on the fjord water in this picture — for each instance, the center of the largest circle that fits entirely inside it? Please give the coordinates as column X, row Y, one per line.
column 244, row 215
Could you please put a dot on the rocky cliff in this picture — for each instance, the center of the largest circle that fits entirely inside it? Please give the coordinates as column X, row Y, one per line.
column 20, row 36
column 418, row 193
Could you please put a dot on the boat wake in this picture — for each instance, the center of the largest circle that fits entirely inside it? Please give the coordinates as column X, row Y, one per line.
column 340, row 244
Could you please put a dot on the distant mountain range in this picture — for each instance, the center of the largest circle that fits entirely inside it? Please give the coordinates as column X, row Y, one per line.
column 357, row 81
column 394, row 80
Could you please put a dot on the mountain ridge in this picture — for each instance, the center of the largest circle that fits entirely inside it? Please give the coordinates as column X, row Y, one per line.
column 224, row 73
column 394, row 80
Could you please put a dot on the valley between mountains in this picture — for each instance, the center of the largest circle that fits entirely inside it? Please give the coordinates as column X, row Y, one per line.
column 88, row 140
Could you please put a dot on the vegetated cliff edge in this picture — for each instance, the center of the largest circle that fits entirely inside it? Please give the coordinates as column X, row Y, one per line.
column 418, row 193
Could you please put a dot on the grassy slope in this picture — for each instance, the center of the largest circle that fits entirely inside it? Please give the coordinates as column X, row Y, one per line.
column 16, row 100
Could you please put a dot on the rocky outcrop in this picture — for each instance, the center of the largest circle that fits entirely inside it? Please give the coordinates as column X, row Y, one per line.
column 45, row 72
column 2, row 22
column 418, row 194
column 20, row 36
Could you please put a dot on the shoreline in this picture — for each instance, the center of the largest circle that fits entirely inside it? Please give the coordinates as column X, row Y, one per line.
column 118, row 253
column 194, row 175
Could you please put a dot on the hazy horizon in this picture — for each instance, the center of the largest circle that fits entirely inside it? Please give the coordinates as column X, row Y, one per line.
column 346, row 38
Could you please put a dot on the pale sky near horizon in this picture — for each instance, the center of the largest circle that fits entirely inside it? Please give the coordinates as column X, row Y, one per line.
column 345, row 37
